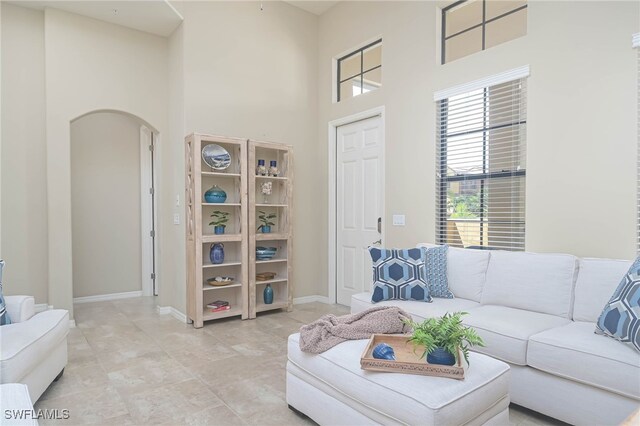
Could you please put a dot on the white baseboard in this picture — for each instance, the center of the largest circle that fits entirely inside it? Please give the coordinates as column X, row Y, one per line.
column 170, row 310
column 41, row 307
column 105, row 297
column 311, row 299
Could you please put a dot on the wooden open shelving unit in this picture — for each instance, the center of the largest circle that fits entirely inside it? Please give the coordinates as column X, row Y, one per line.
column 199, row 235
column 281, row 203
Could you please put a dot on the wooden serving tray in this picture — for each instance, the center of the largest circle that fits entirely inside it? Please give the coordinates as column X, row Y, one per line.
column 407, row 361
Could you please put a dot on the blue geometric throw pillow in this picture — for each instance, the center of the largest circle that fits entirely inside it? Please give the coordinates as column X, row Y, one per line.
column 435, row 268
column 4, row 316
column 398, row 275
column 620, row 318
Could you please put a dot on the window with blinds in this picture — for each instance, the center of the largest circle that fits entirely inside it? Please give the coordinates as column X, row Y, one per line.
column 481, row 167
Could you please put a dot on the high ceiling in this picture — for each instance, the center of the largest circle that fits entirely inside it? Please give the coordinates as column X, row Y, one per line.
column 152, row 16
column 315, row 7
column 159, row 17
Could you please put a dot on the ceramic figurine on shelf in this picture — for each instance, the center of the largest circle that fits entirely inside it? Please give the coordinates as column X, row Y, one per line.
column 266, row 188
column 268, row 294
column 261, row 170
column 215, row 194
column 216, row 253
column 273, row 169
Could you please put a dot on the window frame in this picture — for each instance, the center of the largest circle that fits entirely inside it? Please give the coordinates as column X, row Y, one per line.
column 483, row 24
column 443, row 179
column 362, row 72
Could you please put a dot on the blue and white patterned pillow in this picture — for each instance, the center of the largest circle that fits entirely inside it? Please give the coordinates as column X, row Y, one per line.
column 398, row 275
column 436, row 271
column 620, row 318
column 4, row 316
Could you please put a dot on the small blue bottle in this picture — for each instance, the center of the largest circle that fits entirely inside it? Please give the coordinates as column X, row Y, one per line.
column 268, row 294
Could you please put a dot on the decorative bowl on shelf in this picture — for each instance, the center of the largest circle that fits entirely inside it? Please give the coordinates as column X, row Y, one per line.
column 265, row 253
column 220, row 281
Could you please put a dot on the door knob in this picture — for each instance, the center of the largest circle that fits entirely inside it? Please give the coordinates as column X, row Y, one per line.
column 377, row 242
column 379, row 225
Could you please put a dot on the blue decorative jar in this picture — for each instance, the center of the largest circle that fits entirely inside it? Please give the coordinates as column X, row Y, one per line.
column 215, row 194
column 268, row 294
column 441, row 356
column 216, row 253
column 218, row 229
column 266, row 229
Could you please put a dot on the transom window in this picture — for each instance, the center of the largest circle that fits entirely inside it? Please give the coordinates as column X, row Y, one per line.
column 360, row 71
column 481, row 167
column 469, row 26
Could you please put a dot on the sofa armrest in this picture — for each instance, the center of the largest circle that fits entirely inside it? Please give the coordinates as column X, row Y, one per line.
column 20, row 308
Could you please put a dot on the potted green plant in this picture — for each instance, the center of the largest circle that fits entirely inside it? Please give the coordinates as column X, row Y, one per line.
column 442, row 339
column 219, row 221
column 266, row 220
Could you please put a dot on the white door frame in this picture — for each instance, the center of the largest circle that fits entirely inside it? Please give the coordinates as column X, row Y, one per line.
column 333, row 141
column 148, row 215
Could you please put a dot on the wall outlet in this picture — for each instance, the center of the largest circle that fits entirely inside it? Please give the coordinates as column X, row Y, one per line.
column 398, row 220
column 176, row 218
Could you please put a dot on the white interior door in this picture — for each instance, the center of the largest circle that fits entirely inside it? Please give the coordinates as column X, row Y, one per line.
column 360, row 195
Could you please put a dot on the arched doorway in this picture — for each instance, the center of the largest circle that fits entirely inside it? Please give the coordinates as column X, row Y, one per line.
column 112, row 206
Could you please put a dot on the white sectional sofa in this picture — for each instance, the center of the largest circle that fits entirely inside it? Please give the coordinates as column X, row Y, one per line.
column 537, row 312
column 33, row 348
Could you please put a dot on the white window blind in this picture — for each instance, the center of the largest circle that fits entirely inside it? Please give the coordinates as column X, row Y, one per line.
column 481, row 167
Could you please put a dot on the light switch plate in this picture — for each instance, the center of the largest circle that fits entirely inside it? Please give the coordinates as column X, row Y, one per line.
column 176, row 219
column 398, row 220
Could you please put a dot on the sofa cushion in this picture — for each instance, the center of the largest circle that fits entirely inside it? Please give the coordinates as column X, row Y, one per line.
column 466, row 271
column 597, row 280
column 506, row 331
column 4, row 315
column 620, row 318
column 404, row 398
column 398, row 275
column 575, row 352
column 25, row 344
column 435, row 269
column 418, row 310
column 533, row 282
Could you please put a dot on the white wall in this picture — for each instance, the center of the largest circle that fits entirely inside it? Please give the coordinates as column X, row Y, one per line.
column 105, row 204
column 172, row 279
column 58, row 66
column 23, row 169
column 250, row 74
column 581, row 144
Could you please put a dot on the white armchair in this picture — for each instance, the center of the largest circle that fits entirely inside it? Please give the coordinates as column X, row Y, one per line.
column 33, row 348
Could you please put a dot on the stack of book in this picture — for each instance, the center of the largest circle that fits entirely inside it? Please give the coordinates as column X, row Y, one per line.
column 219, row 306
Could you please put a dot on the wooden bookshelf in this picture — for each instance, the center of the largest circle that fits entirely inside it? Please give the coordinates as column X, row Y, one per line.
column 200, row 236
column 279, row 202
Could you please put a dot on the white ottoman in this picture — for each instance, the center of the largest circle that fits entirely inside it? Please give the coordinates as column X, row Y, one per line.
column 332, row 389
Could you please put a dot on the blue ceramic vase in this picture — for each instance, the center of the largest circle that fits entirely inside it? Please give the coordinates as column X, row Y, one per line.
column 266, row 229
column 441, row 356
column 215, row 194
column 268, row 294
column 216, row 253
column 218, row 230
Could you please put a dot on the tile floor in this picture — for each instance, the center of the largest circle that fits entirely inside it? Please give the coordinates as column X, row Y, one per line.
column 130, row 366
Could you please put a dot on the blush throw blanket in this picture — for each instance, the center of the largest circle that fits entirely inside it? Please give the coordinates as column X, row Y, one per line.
column 330, row 330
